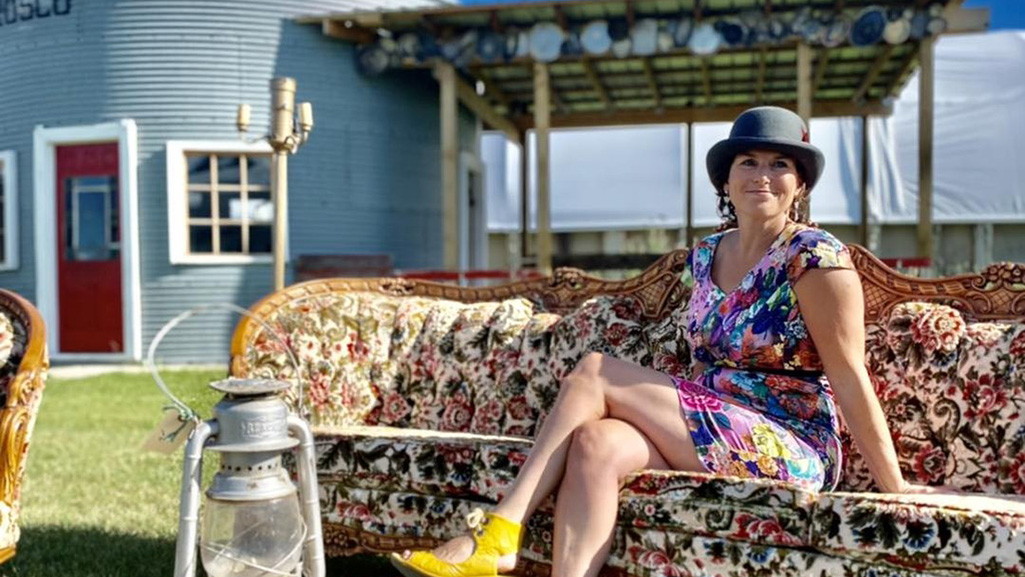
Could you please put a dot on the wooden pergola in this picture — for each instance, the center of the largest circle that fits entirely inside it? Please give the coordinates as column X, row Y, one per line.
column 670, row 86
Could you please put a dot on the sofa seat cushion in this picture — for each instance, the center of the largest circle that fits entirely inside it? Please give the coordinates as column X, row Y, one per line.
column 481, row 468
column 977, row 533
column 388, row 520
column 420, row 461
column 756, row 511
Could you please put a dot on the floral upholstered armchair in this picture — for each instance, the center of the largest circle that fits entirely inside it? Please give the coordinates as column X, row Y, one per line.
column 424, row 399
column 23, row 366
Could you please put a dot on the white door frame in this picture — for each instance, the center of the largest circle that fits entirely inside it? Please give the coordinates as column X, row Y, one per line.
column 471, row 163
column 46, row 141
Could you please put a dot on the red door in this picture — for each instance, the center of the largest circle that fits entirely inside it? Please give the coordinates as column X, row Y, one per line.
column 89, row 249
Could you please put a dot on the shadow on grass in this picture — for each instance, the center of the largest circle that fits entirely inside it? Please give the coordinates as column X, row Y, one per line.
column 52, row 551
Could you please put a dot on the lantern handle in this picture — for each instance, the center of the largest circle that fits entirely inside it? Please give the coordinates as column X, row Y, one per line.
column 186, row 412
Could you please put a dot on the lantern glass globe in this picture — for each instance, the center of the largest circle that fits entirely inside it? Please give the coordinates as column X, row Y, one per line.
column 252, row 538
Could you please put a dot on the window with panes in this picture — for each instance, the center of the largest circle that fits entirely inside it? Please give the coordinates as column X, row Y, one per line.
column 230, row 210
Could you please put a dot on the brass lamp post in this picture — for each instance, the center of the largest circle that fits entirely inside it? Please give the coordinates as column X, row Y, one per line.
column 287, row 135
column 256, row 522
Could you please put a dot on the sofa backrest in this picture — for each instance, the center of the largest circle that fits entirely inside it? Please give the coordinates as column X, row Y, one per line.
column 489, row 360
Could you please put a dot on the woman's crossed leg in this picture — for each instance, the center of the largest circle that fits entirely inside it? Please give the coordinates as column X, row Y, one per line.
column 611, row 417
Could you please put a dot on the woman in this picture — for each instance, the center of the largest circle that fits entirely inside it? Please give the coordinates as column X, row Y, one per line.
column 776, row 308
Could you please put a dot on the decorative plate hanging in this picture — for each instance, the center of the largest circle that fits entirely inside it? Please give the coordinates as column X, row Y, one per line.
column 937, row 23
column 571, row 44
column 619, row 29
column 919, row 24
column 732, row 31
column 371, row 59
column 409, row 45
column 546, row 41
column 666, row 30
column 898, row 29
column 622, row 48
column 813, row 29
column 868, row 28
column 704, row 40
column 681, row 35
column 644, row 37
column 837, row 31
column 490, row 46
column 595, row 38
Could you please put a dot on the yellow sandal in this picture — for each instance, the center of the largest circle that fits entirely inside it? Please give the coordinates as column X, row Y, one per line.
column 493, row 536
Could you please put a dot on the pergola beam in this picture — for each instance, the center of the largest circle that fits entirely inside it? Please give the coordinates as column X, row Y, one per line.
column 820, row 70
column 902, row 71
column 823, row 109
column 873, row 73
column 649, row 75
column 706, row 82
column 763, row 56
column 338, row 30
column 964, row 20
column 596, row 83
column 491, row 86
column 483, row 109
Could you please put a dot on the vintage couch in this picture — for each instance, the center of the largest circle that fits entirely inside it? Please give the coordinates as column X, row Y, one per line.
column 23, row 366
column 424, row 398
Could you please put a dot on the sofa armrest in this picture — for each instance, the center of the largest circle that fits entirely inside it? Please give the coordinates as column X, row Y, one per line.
column 953, row 391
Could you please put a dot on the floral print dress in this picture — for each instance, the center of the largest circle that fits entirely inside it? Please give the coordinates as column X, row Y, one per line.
column 762, row 406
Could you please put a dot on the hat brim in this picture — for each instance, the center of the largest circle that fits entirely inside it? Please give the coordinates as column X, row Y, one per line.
column 721, row 155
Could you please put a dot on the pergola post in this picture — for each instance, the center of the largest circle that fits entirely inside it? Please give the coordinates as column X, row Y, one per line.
column 542, row 128
column 925, row 133
column 689, row 179
column 863, row 228
column 804, row 98
column 449, row 104
column 526, row 256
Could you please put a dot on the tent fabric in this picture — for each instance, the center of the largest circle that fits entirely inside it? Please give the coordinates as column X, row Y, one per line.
column 634, row 177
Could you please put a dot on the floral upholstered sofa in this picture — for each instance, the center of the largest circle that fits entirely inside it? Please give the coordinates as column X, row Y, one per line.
column 23, row 367
column 424, row 399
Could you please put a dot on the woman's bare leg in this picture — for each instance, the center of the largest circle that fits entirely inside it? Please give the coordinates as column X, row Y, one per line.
column 603, row 453
column 596, row 388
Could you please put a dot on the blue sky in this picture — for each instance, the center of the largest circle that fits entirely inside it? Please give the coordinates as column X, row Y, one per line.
column 1004, row 14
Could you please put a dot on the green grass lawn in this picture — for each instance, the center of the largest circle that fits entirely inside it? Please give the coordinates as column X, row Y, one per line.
column 94, row 504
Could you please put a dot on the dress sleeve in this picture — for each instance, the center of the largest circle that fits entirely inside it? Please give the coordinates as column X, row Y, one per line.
column 815, row 248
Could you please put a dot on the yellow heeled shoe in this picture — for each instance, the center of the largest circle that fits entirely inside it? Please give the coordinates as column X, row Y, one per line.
column 493, row 536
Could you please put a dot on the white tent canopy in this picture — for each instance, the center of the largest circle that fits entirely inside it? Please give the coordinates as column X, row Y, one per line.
column 629, row 178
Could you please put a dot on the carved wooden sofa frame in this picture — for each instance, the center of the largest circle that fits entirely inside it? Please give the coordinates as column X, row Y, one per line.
column 17, row 416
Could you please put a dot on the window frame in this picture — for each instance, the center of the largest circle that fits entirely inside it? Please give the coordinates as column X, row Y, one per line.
column 9, row 162
column 177, row 200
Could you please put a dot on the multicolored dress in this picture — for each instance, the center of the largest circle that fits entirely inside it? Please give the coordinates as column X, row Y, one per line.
column 762, row 406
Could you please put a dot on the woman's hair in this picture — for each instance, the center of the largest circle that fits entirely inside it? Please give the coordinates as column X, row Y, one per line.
column 728, row 212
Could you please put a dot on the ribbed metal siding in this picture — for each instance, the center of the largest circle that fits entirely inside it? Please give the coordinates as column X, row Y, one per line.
column 367, row 182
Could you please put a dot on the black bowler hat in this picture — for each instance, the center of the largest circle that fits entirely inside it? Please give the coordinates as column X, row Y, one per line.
column 766, row 128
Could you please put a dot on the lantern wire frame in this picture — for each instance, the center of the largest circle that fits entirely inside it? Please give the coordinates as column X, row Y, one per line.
column 187, row 413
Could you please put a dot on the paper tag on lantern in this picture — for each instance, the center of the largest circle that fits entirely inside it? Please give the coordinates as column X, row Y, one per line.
column 171, row 433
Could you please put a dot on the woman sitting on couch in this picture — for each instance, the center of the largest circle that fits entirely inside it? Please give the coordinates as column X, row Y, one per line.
column 776, row 309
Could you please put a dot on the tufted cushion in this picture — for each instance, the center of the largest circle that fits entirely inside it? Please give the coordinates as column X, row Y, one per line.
column 426, row 462
column 936, row 532
column 953, row 391
column 486, row 368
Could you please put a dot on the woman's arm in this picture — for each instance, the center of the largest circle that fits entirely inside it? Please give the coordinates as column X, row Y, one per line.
column 832, row 304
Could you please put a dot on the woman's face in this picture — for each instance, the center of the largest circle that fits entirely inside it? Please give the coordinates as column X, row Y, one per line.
column 763, row 184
